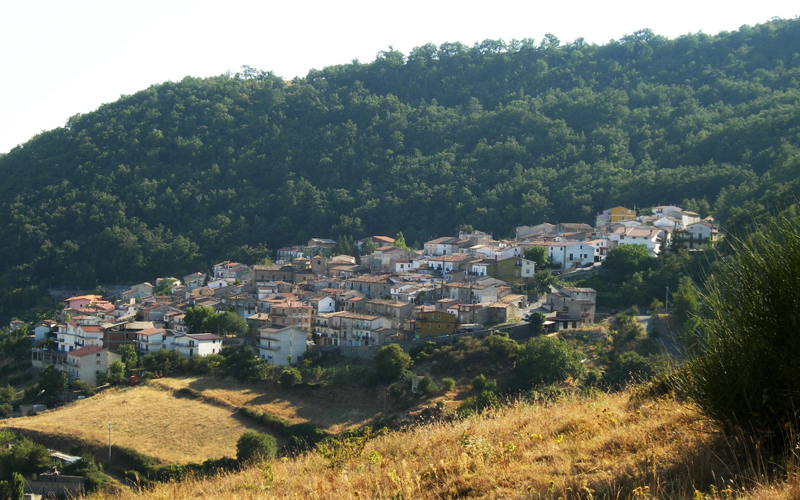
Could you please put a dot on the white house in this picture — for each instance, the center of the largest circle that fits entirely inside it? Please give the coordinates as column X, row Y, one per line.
column 220, row 283
column 323, row 304
column 601, row 248
column 87, row 362
column 567, row 253
column 446, row 245
column 666, row 210
column 449, row 263
column 201, row 344
column 669, row 223
column 403, row 266
column 278, row 344
column 650, row 237
column 194, row 280
column 43, row 328
column 150, row 340
column 73, row 335
column 697, row 235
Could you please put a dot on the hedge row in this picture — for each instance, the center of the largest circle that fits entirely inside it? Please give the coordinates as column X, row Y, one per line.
column 300, row 436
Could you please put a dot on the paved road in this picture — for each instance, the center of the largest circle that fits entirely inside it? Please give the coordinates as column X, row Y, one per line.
column 668, row 342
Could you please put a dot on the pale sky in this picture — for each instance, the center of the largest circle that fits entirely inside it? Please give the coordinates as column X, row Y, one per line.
column 60, row 58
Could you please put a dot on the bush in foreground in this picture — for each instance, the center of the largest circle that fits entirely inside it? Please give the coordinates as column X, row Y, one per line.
column 747, row 374
column 254, row 447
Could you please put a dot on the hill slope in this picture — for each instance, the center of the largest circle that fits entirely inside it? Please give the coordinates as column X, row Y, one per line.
column 603, row 446
column 181, row 174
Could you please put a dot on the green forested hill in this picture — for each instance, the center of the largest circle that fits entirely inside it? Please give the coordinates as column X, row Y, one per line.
column 494, row 136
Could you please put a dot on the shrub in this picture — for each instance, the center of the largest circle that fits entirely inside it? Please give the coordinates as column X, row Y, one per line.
column 501, row 348
column 475, row 404
column 427, row 386
column 188, row 392
column 301, row 436
column 448, row 384
column 630, row 366
column 747, row 374
column 547, row 360
column 291, row 377
column 479, row 382
column 86, row 388
column 391, row 362
column 255, row 447
column 593, row 378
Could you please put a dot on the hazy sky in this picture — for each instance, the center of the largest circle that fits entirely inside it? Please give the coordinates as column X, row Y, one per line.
column 59, row 58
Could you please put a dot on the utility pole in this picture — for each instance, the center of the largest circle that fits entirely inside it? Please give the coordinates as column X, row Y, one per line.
column 109, row 442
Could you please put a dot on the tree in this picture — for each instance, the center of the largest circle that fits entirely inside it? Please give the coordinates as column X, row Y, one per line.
column 255, row 447
column 632, row 366
column 391, row 362
column 116, row 371
column 625, row 260
column 129, row 356
column 51, row 381
column 227, row 323
column 17, row 489
column 543, row 279
column 746, row 375
column 165, row 286
column 400, row 241
column 265, row 261
column 368, row 247
column 536, row 322
column 537, row 254
column 25, row 457
column 656, row 307
column 546, row 360
column 685, row 303
column 197, row 318
column 291, row 377
column 427, row 386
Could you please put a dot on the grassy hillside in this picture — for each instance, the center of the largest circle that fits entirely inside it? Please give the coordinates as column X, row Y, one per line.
column 334, row 409
column 600, row 446
column 148, row 419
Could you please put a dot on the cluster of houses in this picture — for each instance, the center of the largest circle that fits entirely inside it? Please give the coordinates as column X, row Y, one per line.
column 310, row 297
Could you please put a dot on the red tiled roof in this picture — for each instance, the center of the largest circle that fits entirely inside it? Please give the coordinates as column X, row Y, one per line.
column 150, row 331
column 86, row 351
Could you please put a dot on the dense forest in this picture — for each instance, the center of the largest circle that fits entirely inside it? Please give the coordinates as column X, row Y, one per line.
column 495, row 135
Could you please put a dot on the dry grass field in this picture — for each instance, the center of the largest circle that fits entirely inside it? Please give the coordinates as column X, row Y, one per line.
column 150, row 419
column 602, row 446
column 334, row 409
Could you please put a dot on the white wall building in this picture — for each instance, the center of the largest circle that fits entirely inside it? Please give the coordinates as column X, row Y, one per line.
column 150, row 340
column 87, row 362
column 650, row 237
column 201, row 344
column 567, row 254
column 278, row 344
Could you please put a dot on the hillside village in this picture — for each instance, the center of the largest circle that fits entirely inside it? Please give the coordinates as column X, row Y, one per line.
column 311, row 300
